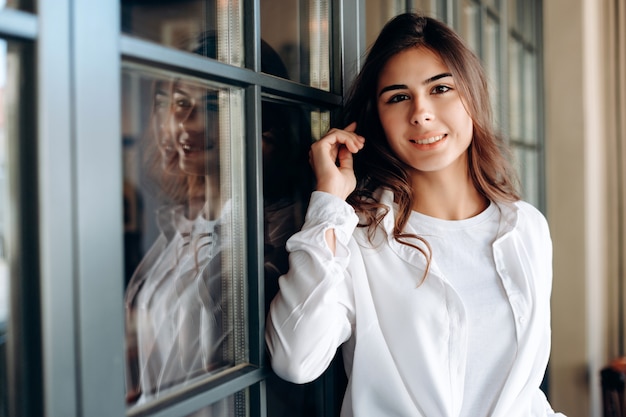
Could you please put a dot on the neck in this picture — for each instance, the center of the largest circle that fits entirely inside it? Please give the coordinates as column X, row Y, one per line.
column 205, row 197
column 448, row 197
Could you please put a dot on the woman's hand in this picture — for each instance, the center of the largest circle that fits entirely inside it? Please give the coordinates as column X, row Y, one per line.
column 331, row 159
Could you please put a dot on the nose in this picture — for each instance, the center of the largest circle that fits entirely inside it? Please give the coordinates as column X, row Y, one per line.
column 421, row 112
column 191, row 121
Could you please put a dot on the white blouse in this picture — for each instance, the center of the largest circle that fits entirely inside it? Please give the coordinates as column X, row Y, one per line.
column 174, row 303
column 405, row 344
column 462, row 253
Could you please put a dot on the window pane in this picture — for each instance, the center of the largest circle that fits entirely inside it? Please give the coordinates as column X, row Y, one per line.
column 299, row 31
column 13, row 4
column 492, row 64
column 206, row 27
column 495, row 4
column 288, row 130
column 234, row 406
column 470, row 24
column 530, row 98
column 514, row 15
column 10, row 81
column 377, row 13
column 529, row 21
column 183, row 228
column 515, row 89
column 427, row 7
column 526, row 161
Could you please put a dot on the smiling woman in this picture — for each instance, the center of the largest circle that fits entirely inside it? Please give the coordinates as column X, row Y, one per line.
column 416, row 216
column 423, row 116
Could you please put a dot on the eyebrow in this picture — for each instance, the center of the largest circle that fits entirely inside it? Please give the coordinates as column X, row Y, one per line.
column 404, row 86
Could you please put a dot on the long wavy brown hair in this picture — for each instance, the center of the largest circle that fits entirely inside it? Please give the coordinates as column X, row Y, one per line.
column 376, row 166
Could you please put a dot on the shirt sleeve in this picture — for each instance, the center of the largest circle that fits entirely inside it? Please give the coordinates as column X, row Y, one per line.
column 312, row 314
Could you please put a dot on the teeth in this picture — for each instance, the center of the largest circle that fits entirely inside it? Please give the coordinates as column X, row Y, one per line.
column 429, row 140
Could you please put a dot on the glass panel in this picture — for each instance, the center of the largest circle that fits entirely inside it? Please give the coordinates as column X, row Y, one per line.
column 13, row 4
column 492, row 64
column 10, row 81
column 492, row 3
column 526, row 161
column 530, row 98
column 308, row 400
column 184, row 230
column 529, row 21
column 514, row 15
column 236, row 405
column 377, row 13
column 470, row 24
column 515, row 87
column 299, row 31
column 288, row 131
column 207, row 27
column 427, row 7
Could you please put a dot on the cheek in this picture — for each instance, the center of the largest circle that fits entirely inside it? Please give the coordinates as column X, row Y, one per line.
column 463, row 121
column 388, row 120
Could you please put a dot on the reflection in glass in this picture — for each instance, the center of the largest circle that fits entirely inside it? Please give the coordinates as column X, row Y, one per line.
column 183, row 25
column 183, row 236
column 288, row 131
column 286, row 182
column 10, row 83
column 237, row 404
column 300, row 33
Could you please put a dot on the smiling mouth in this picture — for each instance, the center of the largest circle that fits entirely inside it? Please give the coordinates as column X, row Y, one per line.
column 189, row 148
column 428, row 141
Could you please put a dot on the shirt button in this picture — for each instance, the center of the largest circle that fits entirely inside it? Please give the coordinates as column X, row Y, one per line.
column 522, row 319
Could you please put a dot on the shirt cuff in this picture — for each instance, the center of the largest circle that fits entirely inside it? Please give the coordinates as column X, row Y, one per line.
column 331, row 212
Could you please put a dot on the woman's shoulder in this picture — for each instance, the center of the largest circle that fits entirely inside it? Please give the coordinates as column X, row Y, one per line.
column 524, row 216
column 528, row 209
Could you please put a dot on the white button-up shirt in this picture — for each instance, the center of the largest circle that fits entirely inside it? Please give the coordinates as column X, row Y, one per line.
column 404, row 337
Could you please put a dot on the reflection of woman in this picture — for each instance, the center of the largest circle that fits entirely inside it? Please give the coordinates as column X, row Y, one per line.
column 174, row 299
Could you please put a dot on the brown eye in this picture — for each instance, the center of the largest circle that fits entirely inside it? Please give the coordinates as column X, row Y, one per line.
column 440, row 89
column 398, row 98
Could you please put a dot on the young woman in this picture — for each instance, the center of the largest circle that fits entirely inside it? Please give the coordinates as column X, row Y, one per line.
column 417, row 255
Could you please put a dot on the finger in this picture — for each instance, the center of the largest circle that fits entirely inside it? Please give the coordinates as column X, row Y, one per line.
column 349, row 138
column 345, row 159
column 351, row 127
column 360, row 140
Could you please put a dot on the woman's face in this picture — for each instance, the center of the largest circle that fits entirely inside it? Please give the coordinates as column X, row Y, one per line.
column 196, row 128
column 422, row 113
column 163, row 134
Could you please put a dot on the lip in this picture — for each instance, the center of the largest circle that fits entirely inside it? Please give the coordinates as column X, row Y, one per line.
column 428, row 140
column 191, row 146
